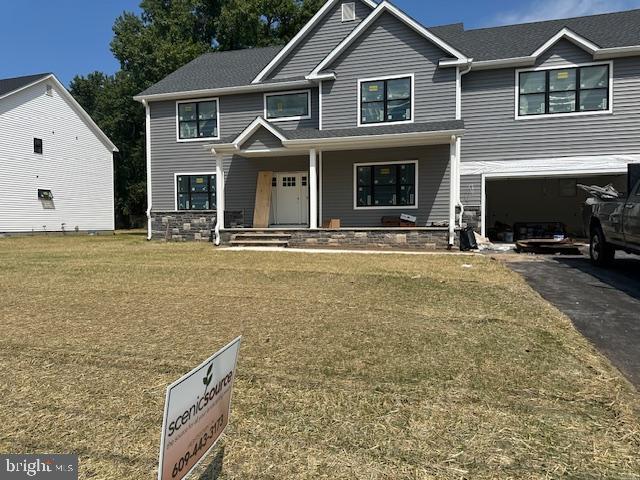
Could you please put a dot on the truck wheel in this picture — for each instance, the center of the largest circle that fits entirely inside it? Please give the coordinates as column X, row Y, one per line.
column 600, row 251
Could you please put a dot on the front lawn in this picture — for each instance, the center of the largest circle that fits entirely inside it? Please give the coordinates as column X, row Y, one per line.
column 351, row 367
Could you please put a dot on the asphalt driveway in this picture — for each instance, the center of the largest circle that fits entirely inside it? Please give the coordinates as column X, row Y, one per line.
column 603, row 303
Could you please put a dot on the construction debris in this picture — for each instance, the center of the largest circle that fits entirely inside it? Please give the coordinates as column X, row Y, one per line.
column 608, row 192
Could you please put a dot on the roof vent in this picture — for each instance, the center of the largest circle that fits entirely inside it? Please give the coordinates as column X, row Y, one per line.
column 348, row 12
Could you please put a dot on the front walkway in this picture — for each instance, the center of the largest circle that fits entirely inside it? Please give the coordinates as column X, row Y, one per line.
column 603, row 303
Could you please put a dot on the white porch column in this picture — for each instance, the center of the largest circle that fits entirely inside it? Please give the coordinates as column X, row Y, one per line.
column 453, row 173
column 313, row 189
column 219, row 191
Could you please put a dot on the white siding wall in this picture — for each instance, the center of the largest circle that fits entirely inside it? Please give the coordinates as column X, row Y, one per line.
column 76, row 166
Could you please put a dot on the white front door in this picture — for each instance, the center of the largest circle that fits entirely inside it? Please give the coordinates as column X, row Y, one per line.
column 290, row 198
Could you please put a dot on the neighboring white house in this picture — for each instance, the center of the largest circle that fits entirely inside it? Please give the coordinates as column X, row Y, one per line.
column 56, row 165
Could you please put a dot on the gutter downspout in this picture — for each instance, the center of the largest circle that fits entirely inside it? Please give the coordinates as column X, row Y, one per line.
column 460, row 72
column 148, row 155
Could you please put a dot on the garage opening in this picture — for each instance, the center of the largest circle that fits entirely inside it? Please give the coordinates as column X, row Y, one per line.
column 540, row 200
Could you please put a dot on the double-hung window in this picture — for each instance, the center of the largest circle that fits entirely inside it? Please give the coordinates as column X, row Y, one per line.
column 196, row 192
column 198, row 120
column 564, row 90
column 386, row 185
column 387, row 100
column 287, row 105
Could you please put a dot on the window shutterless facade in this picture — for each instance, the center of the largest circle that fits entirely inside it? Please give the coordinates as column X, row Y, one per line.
column 386, row 185
column 385, row 100
column 573, row 90
column 195, row 192
column 287, row 105
column 198, row 120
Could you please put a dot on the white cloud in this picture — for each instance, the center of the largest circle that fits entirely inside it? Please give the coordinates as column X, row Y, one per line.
column 553, row 9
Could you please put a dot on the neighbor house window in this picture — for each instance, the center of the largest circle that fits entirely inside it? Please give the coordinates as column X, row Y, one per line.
column 37, row 145
column 385, row 100
column 288, row 106
column 564, row 90
column 386, row 185
column 196, row 192
column 198, row 120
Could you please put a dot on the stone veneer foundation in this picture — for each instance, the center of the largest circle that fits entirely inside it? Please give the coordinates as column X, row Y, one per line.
column 183, row 226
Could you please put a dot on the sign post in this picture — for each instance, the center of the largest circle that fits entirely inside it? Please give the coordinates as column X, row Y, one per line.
column 196, row 412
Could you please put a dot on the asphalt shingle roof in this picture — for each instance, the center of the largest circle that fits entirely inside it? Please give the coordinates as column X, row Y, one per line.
column 607, row 30
column 216, row 70
column 8, row 85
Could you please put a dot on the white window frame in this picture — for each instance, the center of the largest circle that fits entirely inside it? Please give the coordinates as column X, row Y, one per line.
column 379, row 79
column 382, row 162
column 288, row 92
column 518, row 71
column 199, row 139
column 175, row 190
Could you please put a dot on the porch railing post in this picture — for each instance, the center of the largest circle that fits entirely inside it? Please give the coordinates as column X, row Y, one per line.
column 313, row 189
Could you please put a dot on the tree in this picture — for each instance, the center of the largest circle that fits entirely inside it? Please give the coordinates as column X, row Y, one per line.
column 166, row 35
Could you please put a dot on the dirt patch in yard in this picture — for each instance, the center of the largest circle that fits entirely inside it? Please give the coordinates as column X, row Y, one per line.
column 352, row 366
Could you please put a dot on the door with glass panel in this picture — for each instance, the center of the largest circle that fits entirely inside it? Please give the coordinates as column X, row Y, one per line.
column 289, row 199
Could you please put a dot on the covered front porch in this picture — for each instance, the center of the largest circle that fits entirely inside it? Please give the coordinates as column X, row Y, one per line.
column 395, row 186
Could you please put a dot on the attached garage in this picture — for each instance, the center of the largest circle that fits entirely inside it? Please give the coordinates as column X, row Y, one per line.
column 554, row 198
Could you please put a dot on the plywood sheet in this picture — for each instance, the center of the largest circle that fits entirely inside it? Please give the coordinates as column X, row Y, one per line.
column 263, row 200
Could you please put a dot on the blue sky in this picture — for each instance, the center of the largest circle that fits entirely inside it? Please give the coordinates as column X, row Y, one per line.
column 70, row 37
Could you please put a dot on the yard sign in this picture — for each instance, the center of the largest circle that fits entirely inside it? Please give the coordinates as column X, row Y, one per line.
column 196, row 412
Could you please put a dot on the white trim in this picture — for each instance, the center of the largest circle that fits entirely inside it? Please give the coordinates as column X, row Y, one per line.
column 320, row 167
column 452, row 190
column 518, row 71
column 616, row 52
column 458, row 93
column 299, row 36
column 220, row 197
column 503, row 63
column 199, row 139
column 147, row 128
column 74, row 104
column 320, row 105
column 380, row 79
column 313, row 189
column 175, row 190
column 369, row 141
column 483, row 206
column 252, row 128
column 385, row 6
column 555, row 173
column 570, row 35
column 208, row 92
column 394, row 207
column 288, row 92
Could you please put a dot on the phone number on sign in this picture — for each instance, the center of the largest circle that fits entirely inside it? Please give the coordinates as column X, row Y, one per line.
column 200, row 444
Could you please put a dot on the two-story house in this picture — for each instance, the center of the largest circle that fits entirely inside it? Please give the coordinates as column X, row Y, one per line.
column 366, row 115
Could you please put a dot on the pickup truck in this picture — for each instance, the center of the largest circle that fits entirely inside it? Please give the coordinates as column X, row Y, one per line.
column 614, row 223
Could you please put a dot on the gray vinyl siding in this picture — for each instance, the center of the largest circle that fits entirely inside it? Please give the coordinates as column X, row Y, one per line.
column 471, row 190
column 241, row 176
column 260, row 140
column 168, row 156
column 492, row 133
column 317, row 44
column 389, row 47
column 433, row 185
column 562, row 53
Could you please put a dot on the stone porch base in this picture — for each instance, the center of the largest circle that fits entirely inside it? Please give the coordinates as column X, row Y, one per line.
column 183, row 226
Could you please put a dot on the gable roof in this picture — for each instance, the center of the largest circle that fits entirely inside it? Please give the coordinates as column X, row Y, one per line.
column 383, row 7
column 215, row 70
column 606, row 31
column 328, row 5
column 10, row 86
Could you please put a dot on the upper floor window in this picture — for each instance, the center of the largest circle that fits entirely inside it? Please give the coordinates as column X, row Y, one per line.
column 198, row 120
column 37, row 145
column 380, row 185
column 196, row 192
column 579, row 89
column 287, row 106
column 386, row 100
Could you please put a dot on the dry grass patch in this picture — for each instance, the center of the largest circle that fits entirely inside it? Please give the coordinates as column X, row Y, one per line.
column 352, row 366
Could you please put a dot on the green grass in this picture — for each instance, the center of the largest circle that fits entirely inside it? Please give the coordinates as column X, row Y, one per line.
column 351, row 367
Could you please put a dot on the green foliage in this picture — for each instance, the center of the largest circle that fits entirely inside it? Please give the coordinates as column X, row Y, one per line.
column 166, row 35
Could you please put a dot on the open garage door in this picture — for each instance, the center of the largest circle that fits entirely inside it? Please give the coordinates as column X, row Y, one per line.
column 541, row 199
